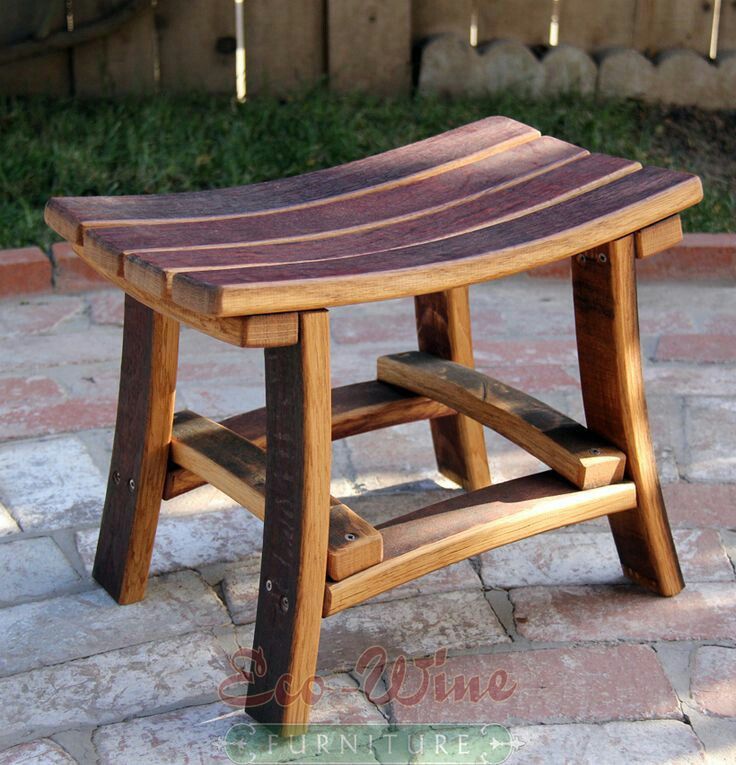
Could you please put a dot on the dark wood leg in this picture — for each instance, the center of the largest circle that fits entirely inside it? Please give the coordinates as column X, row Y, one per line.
column 140, row 452
column 607, row 324
column 443, row 329
column 296, row 525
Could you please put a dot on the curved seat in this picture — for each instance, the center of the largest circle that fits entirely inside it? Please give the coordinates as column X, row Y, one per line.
column 487, row 200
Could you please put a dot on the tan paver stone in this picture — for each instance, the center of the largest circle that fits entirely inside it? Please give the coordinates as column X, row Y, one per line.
column 713, row 684
column 41, row 752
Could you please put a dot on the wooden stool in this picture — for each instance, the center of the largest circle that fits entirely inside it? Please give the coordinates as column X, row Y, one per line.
column 258, row 266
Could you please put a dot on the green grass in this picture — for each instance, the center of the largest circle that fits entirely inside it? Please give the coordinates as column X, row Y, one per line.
column 165, row 144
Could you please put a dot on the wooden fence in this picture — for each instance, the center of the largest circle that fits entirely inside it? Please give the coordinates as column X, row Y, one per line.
column 115, row 47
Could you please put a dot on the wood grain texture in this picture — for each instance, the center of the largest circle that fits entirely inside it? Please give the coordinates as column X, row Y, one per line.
column 439, row 17
column 296, row 524
column 357, row 408
column 262, row 331
column 524, row 20
column 659, row 237
column 69, row 216
column 567, row 447
column 237, row 467
column 139, row 454
column 606, row 319
column 449, row 531
column 444, row 330
column 617, row 209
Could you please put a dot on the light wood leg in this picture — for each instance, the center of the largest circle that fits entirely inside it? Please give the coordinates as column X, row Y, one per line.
column 140, row 452
column 607, row 323
column 296, row 524
column 443, row 329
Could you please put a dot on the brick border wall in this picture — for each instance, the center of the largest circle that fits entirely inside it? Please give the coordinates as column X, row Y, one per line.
column 30, row 270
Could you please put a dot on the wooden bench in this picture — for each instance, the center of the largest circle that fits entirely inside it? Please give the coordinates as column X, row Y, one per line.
column 259, row 266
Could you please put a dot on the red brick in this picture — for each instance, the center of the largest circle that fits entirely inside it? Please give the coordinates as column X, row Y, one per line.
column 107, row 307
column 722, row 323
column 71, row 274
column 529, row 377
column 713, row 684
column 23, row 271
column 715, row 349
column 526, row 352
column 701, row 504
column 599, row 612
column 557, row 685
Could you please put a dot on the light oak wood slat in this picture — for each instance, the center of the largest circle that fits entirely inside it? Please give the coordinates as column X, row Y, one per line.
column 520, row 191
column 444, row 329
column 460, row 527
column 626, row 205
column 659, row 237
column 296, row 524
column 357, row 408
column 138, row 463
column 69, row 216
column 260, row 331
column 582, row 457
column 341, row 216
column 607, row 327
column 237, row 467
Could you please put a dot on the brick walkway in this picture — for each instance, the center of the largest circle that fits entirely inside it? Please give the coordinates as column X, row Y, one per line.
column 602, row 671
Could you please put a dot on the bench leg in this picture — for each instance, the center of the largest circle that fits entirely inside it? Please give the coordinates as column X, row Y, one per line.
column 296, row 526
column 607, row 325
column 140, row 452
column 443, row 329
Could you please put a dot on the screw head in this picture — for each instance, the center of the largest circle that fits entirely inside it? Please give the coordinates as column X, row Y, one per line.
column 602, row 257
column 595, row 451
column 350, row 537
column 116, row 477
column 269, row 585
column 131, row 485
column 284, row 603
column 581, row 259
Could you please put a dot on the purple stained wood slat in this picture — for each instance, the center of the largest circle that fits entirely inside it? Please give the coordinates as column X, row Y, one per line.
column 602, row 215
column 69, row 215
column 436, row 191
column 154, row 270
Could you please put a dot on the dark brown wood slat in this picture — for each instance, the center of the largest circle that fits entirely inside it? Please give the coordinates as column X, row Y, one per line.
column 587, row 221
column 154, row 271
column 357, row 408
column 69, row 215
column 436, row 192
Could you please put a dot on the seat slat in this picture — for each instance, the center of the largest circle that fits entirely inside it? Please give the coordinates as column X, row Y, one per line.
column 238, row 467
column 69, row 216
column 449, row 531
column 343, row 215
column 586, row 221
column 154, row 271
column 567, row 447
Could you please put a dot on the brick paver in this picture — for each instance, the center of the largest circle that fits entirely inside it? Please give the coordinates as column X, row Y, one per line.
column 85, row 680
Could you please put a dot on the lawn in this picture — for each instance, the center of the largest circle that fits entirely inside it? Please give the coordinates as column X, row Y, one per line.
column 164, row 144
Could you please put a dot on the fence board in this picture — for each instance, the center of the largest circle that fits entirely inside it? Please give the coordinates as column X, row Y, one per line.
column 436, row 17
column 593, row 25
column 284, row 45
column 524, row 20
column 727, row 30
column 663, row 24
column 187, row 45
column 124, row 62
column 370, row 46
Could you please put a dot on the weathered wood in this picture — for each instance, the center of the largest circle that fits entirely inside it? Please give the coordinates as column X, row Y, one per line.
column 357, row 408
column 606, row 319
column 596, row 26
column 443, row 329
column 237, row 467
column 284, row 45
column 566, row 446
column 369, row 46
column 438, row 17
column 69, row 216
column 192, row 48
column 527, row 21
column 140, row 448
column 124, row 62
column 450, row 531
column 263, row 331
column 661, row 25
column 296, row 525
column 659, row 237
column 628, row 204
column 727, row 29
